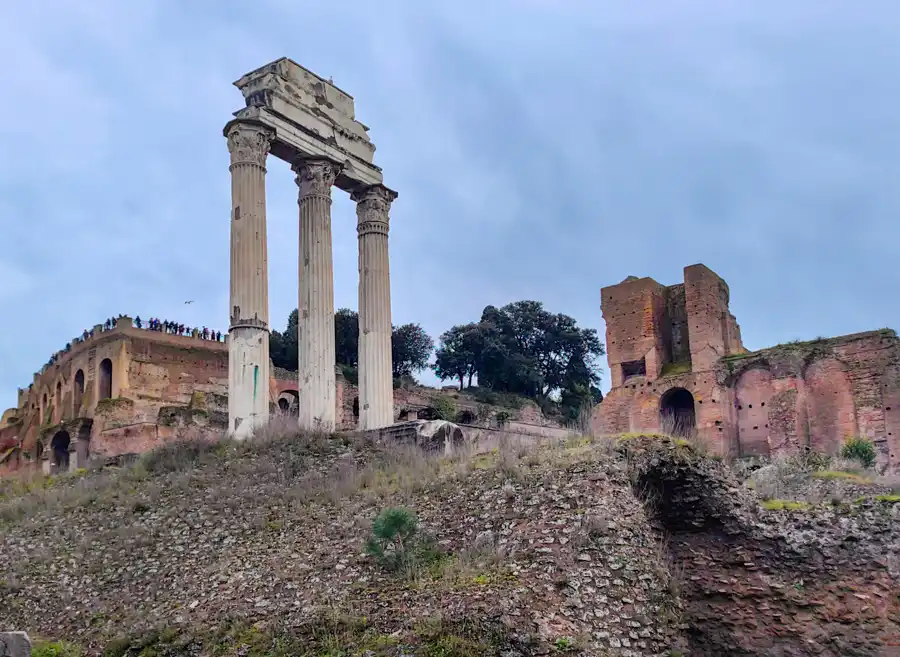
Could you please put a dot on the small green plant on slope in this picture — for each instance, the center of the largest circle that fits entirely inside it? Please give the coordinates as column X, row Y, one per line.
column 861, row 450
column 55, row 649
column 564, row 644
column 396, row 543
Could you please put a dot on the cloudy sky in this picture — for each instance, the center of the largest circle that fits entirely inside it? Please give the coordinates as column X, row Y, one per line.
column 542, row 149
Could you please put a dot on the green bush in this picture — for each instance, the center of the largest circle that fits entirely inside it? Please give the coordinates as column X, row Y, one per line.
column 351, row 374
column 396, row 543
column 502, row 417
column 861, row 450
column 444, row 409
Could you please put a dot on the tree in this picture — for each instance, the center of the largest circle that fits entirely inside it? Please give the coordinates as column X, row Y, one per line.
column 524, row 349
column 283, row 346
column 346, row 337
column 411, row 348
column 459, row 352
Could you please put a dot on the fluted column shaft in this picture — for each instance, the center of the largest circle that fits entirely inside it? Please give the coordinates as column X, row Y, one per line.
column 315, row 309
column 248, row 343
column 376, row 390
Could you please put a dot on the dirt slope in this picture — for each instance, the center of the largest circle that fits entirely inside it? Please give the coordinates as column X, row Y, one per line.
column 630, row 548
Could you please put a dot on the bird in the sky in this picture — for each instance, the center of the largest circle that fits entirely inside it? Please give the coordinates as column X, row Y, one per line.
column 187, row 302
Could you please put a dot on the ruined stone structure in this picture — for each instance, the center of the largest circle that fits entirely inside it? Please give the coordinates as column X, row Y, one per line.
column 677, row 363
column 128, row 390
column 308, row 122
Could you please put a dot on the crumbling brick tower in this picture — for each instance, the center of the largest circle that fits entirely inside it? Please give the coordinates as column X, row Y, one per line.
column 663, row 343
column 677, row 364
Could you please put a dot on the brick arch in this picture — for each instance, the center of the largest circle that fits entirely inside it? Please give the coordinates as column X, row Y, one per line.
column 753, row 393
column 831, row 411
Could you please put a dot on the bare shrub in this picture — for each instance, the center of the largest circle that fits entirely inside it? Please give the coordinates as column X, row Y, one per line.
column 668, row 427
column 841, row 464
column 593, row 525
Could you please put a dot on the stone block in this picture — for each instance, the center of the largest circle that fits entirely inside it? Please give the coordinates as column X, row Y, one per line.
column 15, row 644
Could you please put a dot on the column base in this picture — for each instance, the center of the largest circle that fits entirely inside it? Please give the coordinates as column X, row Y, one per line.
column 248, row 381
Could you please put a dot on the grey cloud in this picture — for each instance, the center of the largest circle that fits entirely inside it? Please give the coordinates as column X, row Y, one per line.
column 541, row 150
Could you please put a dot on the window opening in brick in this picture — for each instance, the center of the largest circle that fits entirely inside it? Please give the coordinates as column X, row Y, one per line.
column 634, row 368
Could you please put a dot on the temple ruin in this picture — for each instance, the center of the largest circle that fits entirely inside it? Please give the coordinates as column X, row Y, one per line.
column 308, row 122
column 678, row 364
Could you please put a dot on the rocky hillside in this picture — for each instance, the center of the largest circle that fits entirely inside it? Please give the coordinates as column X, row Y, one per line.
column 633, row 547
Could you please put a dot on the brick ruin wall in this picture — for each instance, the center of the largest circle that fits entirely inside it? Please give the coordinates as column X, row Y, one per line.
column 778, row 400
column 127, row 390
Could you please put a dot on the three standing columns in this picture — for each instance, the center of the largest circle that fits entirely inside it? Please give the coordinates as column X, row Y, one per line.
column 248, row 343
column 248, row 332
column 376, row 389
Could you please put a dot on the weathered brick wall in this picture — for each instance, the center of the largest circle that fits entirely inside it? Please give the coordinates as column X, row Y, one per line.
column 679, row 328
column 754, row 391
column 831, row 412
column 706, row 299
column 782, row 399
column 817, row 394
column 636, row 408
column 635, row 312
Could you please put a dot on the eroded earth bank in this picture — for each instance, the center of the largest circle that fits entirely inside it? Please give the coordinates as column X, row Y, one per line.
column 635, row 546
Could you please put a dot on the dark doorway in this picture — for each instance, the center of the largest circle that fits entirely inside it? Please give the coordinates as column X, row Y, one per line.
column 60, row 447
column 79, row 393
column 676, row 413
column 284, row 405
column 105, row 391
column 83, row 446
column 356, row 408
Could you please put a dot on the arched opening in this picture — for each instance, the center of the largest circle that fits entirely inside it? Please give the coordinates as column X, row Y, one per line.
column 60, row 447
column 428, row 413
column 78, row 398
column 105, row 382
column 83, row 446
column 466, row 416
column 289, row 402
column 356, row 408
column 676, row 413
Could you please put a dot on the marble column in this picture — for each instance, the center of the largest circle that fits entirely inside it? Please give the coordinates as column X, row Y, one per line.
column 315, row 309
column 248, row 332
column 376, row 389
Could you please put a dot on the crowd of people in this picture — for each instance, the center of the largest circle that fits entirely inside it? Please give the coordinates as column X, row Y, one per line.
column 153, row 324
column 176, row 328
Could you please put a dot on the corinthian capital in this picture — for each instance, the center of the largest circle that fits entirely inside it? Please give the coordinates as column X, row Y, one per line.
column 373, row 205
column 248, row 142
column 315, row 177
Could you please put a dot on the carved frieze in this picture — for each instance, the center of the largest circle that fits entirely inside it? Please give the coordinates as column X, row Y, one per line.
column 249, row 143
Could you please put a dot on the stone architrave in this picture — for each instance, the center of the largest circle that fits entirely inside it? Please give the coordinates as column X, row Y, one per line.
column 315, row 309
column 248, row 344
column 376, row 390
